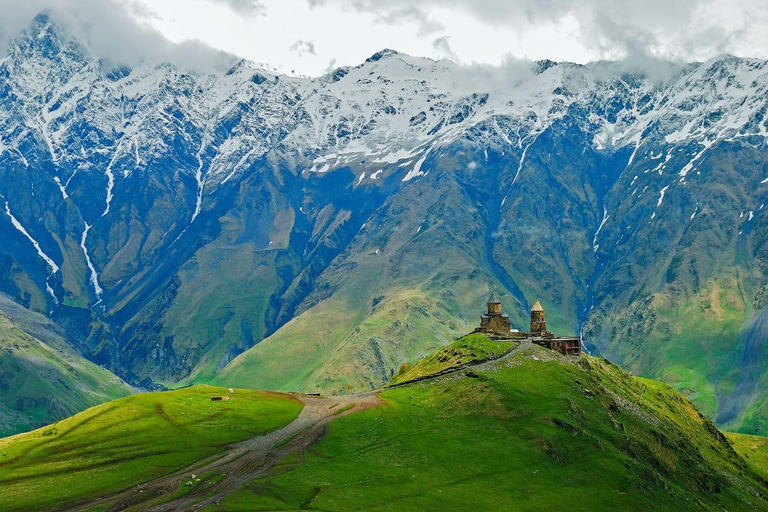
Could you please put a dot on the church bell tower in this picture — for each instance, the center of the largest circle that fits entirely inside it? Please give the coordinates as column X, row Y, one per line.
column 538, row 323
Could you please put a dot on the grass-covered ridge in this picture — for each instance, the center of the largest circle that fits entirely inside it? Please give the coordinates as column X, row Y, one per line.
column 40, row 383
column 534, row 432
column 754, row 449
column 116, row 445
column 472, row 347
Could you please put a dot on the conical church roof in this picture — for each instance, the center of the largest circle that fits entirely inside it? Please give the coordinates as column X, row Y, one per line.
column 494, row 300
column 537, row 306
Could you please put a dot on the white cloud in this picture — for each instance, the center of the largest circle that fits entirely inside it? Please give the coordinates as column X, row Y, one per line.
column 670, row 29
column 112, row 30
column 307, row 35
column 245, row 7
column 301, row 47
column 442, row 46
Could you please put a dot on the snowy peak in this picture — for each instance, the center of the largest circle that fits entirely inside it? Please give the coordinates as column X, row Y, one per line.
column 393, row 109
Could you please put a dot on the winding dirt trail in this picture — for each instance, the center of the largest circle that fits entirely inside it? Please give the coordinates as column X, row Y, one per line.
column 242, row 461
column 252, row 458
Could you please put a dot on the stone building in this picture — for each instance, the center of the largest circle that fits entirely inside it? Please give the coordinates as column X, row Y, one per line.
column 493, row 321
column 538, row 323
column 540, row 336
column 497, row 326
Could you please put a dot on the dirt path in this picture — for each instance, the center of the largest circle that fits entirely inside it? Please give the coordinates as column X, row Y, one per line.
column 522, row 346
column 249, row 459
column 242, row 462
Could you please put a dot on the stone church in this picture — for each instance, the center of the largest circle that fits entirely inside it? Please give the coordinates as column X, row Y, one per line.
column 496, row 325
column 494, row 321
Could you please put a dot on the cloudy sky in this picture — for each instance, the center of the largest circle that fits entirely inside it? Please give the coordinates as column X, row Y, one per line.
column 309, row 37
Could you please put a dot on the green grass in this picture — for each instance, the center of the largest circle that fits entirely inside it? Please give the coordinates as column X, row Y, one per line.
column 343, row 409
column 754, row 449
column 116, row 445
column 530, row 435
column 40, row 384
column 473, row 347
column 337, row 347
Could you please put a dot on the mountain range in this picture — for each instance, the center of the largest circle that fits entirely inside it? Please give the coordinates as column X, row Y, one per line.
column 301, row 234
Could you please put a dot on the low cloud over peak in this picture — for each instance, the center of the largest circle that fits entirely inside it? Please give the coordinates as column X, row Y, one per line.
column 112, row 31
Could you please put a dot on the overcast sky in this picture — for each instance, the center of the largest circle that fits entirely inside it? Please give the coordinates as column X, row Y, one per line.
column 310, row 37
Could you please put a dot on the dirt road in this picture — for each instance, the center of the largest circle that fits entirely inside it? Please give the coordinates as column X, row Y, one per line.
column 242, row 462
column 252, row 458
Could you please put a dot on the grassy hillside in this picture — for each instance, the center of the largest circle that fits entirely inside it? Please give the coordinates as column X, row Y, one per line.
column 40, row 384
column 754, row 449
column 116, row 445
column 411, row 281
column 535, row 432
column 470, row 348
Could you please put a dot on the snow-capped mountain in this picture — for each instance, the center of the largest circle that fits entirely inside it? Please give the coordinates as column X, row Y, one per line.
column 352, row 221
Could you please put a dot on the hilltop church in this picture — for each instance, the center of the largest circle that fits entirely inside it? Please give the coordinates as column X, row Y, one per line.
column 496, row 325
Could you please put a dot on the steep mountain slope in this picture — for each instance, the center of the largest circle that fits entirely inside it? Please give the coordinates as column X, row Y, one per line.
column 333, row 228
column 40, row 384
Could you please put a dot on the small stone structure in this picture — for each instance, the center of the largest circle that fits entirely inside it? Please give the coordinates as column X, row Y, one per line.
column 219, row 398
column 497, row 326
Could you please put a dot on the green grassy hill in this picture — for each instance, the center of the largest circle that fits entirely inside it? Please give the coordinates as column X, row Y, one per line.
column 535, row 432
column 40, row 384
column 530, row 431
column 116, row 445
column 471, row 348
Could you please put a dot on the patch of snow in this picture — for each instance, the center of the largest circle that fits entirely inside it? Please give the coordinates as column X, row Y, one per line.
column 416, row 171
column 661, row 196
column 522, row 160
column 595, row 245
column 110, row 187
column 394, row 157
column 324, row 168
column 94, row 275
column 360, row 179
column 61, row 187
column 376, row 174
column 632, row 156
column 685, row 170
column 200, row 181
column 45, row 257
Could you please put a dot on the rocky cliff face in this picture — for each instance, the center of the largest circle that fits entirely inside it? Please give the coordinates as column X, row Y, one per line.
column 332, row 228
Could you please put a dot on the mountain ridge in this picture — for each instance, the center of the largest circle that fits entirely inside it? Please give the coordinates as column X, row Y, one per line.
column 327, row 230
